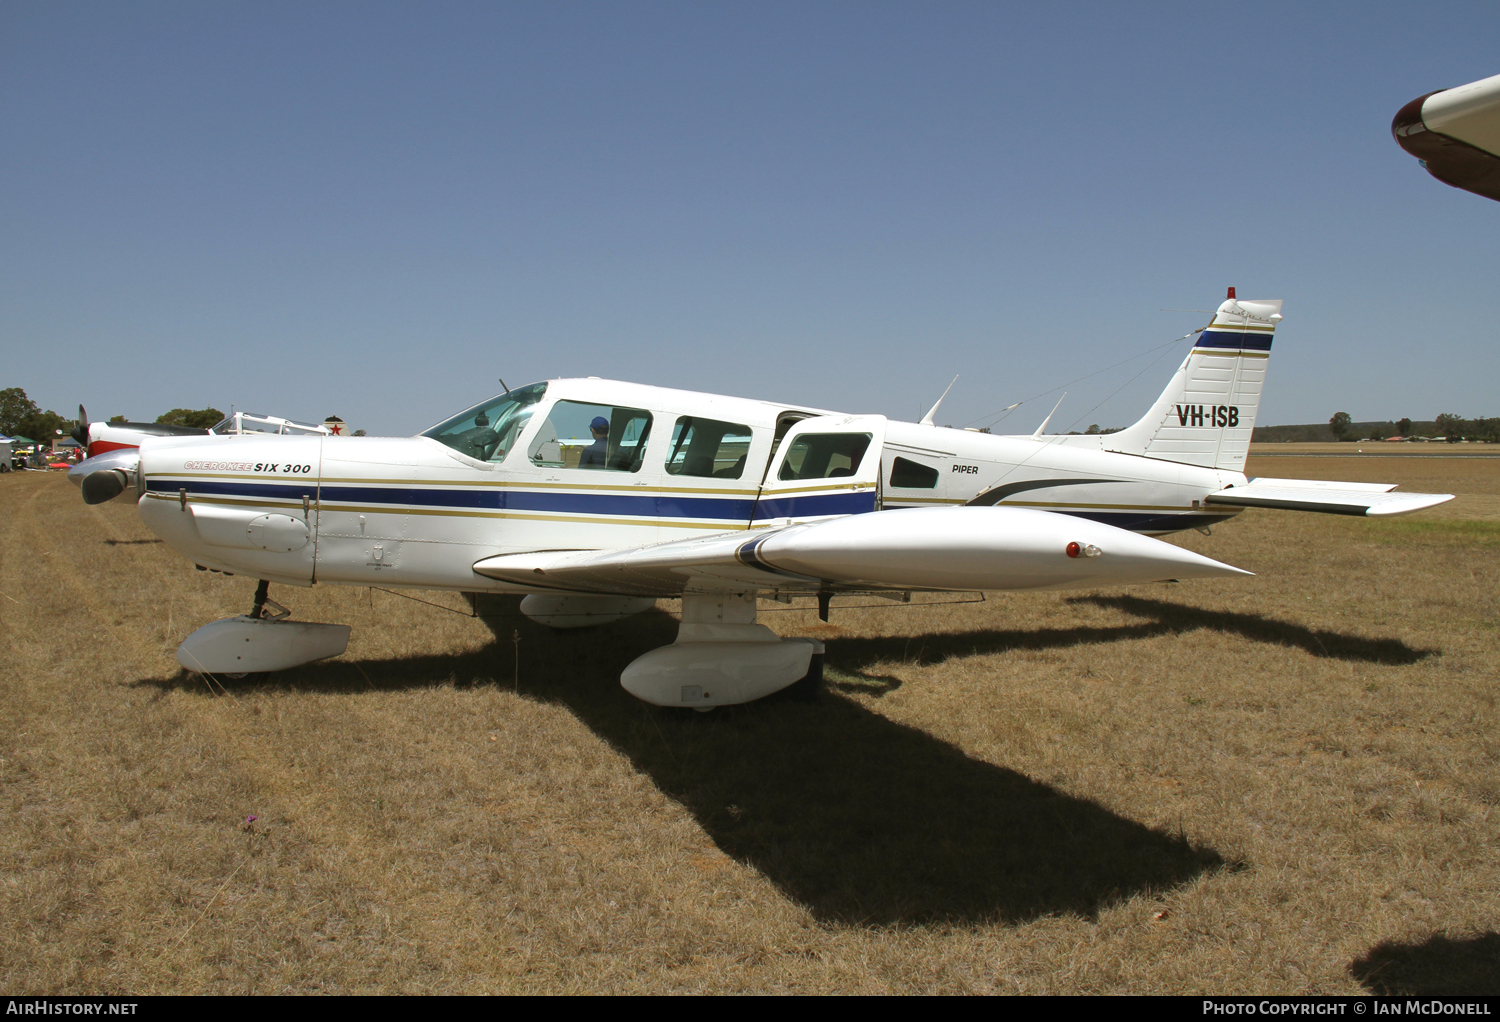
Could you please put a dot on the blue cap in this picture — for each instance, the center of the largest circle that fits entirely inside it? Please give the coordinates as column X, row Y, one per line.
column 600, row 422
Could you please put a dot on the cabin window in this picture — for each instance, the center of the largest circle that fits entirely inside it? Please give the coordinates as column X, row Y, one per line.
column 824, row 455
column 489, row 430
column 708, row 448
column 912, row 476
column 593, row 437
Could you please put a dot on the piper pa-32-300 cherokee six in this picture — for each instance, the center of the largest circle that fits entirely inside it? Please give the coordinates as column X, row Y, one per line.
column 594, row 498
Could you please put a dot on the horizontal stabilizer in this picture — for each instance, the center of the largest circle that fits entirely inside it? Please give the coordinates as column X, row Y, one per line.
column 1326, row 496
column 935, row 549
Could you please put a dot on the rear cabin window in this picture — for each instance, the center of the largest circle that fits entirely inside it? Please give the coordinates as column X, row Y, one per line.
column 592, row 437
column 708, row 448
column 824, row 455
column 913, row 476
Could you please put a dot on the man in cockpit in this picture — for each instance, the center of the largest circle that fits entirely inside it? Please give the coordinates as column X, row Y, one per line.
column 593, row 456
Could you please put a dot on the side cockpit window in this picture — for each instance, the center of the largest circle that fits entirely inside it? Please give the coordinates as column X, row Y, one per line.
column 824, row 455
column 588, row 436
column 708, row 448
column 913, row 476
column 489, row 430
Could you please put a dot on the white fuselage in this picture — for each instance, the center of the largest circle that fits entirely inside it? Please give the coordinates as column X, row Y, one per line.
column 418, row 512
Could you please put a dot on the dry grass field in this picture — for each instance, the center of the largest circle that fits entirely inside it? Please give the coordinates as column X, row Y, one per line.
column 1284, row 784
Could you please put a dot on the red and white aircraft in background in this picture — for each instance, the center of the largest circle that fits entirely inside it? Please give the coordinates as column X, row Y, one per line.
column 103, row 437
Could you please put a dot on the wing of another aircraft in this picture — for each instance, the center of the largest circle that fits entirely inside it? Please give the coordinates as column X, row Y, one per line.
column 943, row 549
column 1338, row 498
column 1456, row 134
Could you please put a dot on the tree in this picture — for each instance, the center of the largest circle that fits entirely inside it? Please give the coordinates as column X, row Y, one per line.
column 203, row 418
column 1404, row 427
column 1451, row 426
column 118, row 418
column 1339, row 425
column 44, row 427
column 15, row 406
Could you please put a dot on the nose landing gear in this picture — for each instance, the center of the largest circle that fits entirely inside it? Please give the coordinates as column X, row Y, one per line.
column 263, row 640
column 263, row 600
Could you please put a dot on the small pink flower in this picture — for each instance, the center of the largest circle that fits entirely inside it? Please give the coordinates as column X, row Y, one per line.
column 251, row 819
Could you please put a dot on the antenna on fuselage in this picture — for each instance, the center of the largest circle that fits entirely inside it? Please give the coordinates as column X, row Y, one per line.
column 502, row 383
column 1049, row 415
column 927, row 419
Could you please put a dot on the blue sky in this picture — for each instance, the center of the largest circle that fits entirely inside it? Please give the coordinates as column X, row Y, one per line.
column 377, row 210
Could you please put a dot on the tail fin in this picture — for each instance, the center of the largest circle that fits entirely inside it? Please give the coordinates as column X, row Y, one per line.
column 1206, row 414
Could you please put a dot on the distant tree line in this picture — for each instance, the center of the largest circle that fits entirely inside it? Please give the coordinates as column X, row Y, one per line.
column 20, row 416
column 203, row 418
column 1342, row 427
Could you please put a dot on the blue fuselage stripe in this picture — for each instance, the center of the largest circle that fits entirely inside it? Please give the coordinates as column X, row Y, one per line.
column 481, row 499
column 815, row 504
column 291, row 491
column 737, row 509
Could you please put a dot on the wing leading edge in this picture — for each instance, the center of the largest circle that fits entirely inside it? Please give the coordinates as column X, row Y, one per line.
column 939, row 549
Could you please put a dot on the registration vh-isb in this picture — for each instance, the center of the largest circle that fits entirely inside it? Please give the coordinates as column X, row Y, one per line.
column 594, row 498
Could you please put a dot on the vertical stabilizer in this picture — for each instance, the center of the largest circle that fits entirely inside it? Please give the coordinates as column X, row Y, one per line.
column 1206, row 414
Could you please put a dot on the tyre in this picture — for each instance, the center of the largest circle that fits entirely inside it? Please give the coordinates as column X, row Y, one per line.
column 810, row 686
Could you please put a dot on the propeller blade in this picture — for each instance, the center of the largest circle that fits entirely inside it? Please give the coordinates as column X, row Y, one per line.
column 81, row 431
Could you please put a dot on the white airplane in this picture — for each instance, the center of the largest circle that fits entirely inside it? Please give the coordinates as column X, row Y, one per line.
column 594, row 498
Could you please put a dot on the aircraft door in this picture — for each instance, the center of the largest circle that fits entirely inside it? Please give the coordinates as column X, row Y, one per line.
column 825, row 466
column 363, row 509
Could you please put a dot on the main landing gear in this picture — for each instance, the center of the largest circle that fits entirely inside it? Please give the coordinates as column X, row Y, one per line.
column 722, row 657
column 263, row 640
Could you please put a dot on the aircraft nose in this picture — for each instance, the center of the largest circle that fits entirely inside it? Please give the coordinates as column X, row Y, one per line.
column 105, row 476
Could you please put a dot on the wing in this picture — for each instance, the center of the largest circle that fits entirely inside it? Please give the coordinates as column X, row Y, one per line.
column 940, row 549
column 1334, row 498
column 1456, row 135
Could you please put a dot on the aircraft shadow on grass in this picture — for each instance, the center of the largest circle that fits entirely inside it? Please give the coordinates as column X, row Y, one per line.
column 863, row 820
column 853, row 658
column 1438, row 966
column 1177, row 617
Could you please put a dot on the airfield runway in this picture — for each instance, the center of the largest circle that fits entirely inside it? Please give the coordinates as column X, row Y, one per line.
column 1281, row 784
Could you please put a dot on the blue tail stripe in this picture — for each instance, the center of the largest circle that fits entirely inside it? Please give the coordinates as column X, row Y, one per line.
column 1234, row 339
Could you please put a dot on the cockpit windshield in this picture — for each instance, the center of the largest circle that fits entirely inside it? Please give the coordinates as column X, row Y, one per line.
column 489, row 430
